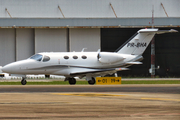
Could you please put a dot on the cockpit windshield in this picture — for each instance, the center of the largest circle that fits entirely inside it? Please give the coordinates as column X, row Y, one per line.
column 36, row 57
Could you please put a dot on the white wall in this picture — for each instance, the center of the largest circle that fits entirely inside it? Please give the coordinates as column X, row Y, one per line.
column 88, row 8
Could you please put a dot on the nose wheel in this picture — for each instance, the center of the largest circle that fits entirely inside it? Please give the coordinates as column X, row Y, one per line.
column 23, row 81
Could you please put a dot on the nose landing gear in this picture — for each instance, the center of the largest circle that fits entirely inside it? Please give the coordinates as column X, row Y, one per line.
column 23, row 81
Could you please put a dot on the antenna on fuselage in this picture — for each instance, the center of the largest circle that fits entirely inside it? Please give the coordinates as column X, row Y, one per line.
column 83, row 49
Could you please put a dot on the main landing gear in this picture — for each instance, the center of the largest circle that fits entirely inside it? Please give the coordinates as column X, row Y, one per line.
column 72, row 81
column 92, row 81
column 23, row 81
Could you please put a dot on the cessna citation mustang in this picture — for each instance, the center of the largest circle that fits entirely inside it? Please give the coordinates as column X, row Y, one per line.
column 85, row 64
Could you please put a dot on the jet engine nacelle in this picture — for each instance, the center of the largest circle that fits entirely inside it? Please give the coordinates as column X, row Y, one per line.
column 105, row 57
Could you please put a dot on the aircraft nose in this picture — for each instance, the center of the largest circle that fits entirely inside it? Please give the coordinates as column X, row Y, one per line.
column 11, row 68
column 6, row 69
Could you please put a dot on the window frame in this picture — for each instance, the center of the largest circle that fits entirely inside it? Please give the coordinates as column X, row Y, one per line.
column 45, row 56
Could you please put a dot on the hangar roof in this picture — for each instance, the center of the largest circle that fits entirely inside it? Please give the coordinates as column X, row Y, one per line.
column 88, row 13
column 87, row 23
column 88, row 8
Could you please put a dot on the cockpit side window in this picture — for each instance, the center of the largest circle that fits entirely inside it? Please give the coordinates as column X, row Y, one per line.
column 36, row 57
column 46, row 58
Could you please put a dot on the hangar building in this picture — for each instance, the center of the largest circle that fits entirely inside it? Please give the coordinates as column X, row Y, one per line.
column 31, row 26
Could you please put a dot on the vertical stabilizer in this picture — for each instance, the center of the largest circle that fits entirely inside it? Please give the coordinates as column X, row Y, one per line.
column 137, row 44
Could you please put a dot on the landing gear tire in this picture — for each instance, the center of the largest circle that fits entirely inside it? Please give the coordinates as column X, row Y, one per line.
column 23, row 81
column 92, row 82
column 72, row 81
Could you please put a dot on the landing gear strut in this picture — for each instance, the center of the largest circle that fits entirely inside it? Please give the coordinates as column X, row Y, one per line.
column 92, row 81
column 72, row 81
column 23, row 81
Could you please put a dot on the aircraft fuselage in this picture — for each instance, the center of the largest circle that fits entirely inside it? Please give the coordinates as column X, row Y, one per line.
column 62, row 63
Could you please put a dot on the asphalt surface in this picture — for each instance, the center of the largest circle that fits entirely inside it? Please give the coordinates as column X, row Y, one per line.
column 173, row 89
column 87, row 102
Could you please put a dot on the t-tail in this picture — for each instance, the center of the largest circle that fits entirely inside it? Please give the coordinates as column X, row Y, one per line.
column 138, row 43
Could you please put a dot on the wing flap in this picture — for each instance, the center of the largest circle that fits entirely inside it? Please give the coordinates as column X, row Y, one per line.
column 134, row 63
column 96, row 72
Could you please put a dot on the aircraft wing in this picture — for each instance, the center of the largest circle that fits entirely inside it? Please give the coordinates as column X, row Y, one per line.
column 96, row 72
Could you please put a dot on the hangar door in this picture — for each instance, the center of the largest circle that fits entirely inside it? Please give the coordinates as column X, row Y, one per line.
column 50, row 40
column 167, row 50
column 24, row 43
column 84, row 38
column 7, row 46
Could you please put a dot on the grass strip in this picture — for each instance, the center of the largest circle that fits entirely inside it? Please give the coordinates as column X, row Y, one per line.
column 44, row 83
column 151, row 82
column 86, row 83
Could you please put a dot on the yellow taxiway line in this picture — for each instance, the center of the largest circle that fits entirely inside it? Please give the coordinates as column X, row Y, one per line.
column 110, row 95
column 162, row 99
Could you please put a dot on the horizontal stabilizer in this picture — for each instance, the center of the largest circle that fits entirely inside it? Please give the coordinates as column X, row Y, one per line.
column 166, row 31
column 134, row 63
column 156, row 31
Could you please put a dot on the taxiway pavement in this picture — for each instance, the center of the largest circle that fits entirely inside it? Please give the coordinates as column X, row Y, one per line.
column 132, row 102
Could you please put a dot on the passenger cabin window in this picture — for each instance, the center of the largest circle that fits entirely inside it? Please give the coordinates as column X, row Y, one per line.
column 36, row 57
column 46, row 58
column 66, row 57
column 84, row 57
column 75, row 57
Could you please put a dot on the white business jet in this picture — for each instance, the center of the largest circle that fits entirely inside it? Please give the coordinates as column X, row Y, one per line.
column 85, row 64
